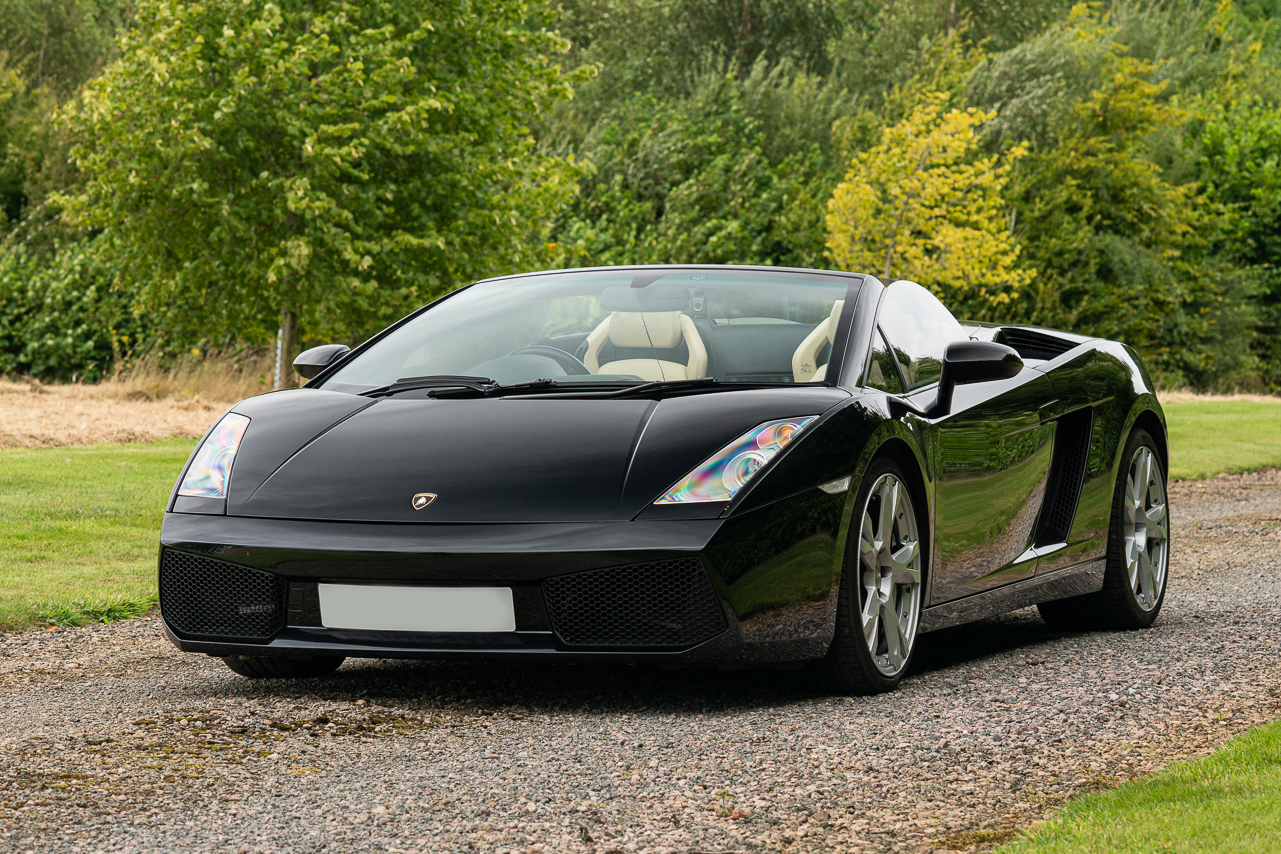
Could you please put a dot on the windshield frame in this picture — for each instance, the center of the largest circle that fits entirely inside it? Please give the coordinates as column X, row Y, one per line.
column 836, row 359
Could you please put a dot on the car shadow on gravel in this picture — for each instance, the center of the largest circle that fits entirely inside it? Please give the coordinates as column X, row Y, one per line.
column 1021, row 630
column 562, row 688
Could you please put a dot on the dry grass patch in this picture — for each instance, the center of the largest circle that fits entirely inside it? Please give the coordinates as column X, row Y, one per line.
column 148, row 402
column 1197, row 397
column 90, row 415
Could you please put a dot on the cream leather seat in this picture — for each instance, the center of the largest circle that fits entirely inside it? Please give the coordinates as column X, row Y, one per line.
column 805, row 366
column 655, row 331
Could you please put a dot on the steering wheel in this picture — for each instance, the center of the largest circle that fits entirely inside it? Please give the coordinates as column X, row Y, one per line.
column 572, row 366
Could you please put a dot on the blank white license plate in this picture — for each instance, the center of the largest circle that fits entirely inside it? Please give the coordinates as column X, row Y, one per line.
column 417, row 609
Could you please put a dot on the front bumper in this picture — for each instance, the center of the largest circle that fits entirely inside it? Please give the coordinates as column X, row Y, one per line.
column 771, row 575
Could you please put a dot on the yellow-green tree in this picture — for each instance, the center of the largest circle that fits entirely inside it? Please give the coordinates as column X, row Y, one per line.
column 923, row 205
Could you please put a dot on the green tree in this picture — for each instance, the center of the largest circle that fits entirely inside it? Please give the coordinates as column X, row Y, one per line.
column 734, row 173
column 329, row 162
column 48, row 48
column 924, row 205
column 61, row 43
column 1238, row 146
column 1123, row 249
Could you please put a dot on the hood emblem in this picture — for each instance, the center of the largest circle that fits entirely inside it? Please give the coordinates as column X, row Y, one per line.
column 422, row 499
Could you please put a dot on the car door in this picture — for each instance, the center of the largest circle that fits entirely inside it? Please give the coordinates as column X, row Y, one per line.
column 991, row 452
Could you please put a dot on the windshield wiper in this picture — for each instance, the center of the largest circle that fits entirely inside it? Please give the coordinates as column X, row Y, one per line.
column 587, row 389
column 450, row 386
column 615, row 391
column 483, row 385
column 665, row 385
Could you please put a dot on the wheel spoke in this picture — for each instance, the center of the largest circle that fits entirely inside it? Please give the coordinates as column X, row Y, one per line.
column 1133, row 499
column 893, row 634
column 889, row 508
column 1147, row 578
column 1156, row 522
column 1145, row 472
column 901, row 571
column 871, row 611
column 867, row 550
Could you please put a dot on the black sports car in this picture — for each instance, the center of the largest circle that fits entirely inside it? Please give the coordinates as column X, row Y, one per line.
column 703, row 464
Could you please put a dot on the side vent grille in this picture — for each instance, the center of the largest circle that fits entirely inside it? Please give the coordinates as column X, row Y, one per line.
column 1067, row 472
column 211, row 598
column 1034, row 345
column 668, row 603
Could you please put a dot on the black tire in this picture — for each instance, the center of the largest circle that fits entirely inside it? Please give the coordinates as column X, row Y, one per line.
column 1117, row 605
column 283, row 667
column 849, row 667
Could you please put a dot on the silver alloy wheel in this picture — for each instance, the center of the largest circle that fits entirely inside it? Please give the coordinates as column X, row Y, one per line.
column 889, row 574
column 1145, row 529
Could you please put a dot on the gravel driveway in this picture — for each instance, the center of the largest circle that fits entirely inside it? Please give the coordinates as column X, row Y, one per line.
column 112, row 740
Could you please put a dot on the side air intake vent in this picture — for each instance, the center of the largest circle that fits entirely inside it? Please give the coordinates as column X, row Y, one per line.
column 212, row 598
column 669, row 603
column 1067, row 472
column 1033, row 345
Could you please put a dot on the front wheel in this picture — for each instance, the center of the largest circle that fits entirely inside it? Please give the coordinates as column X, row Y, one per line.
column 1138, row 556
column 283, row 667
column 881, row 587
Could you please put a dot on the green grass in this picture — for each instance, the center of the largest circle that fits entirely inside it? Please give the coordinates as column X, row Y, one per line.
column 1228, row 803
column 80, row 530
column 1209, row 437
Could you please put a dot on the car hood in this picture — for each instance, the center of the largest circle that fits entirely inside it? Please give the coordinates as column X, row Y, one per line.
column 313, row 454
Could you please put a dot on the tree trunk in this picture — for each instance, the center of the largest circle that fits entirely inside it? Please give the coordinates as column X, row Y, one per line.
column 285, row 346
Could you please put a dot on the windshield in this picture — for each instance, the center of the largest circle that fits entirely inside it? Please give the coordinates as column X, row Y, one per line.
column 619, row 327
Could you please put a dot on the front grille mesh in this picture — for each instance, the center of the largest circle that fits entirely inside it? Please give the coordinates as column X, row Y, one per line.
column 212, row 598
column 668, row 603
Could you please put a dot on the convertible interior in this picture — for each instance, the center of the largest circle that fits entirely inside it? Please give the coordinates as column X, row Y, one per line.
column 672, row 345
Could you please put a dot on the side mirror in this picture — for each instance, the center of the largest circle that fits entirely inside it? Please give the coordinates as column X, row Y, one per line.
column 973, row 362
column 311, row 362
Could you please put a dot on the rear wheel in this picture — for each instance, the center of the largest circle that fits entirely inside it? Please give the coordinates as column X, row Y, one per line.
column 283, row 667
column 880, row 594
column 1138, row 556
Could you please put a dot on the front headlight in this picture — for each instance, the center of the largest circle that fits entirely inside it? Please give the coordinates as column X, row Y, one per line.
column 723, row 475
column 209, row 471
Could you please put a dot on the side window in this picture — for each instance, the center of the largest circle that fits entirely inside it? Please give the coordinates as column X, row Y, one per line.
column 881, row 373
column 918, row 328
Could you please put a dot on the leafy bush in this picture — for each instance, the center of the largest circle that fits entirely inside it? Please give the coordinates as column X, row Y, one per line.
column 60, row 318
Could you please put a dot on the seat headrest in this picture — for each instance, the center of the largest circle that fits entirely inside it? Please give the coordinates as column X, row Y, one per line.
column 658, row 329
column 834, row 319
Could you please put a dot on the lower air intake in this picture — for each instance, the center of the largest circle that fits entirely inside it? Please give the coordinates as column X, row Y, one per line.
column 668, row 603
column 212, row 598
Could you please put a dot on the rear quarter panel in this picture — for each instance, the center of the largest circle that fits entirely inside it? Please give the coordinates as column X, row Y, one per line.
column 1109, row 377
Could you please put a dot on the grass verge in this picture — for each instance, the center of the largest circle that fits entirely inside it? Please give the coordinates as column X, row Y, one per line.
column 1228, row 803
column 80, row 530
column 1208, row 437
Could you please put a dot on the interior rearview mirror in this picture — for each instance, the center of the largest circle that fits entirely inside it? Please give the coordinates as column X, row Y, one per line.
column 311, row 362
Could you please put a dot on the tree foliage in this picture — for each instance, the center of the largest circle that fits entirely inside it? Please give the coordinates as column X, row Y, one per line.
column 1106, row 168
column 1122, row 248
column 61, row 318
column 924, row 205
column 731, row 174
column 341, row 161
